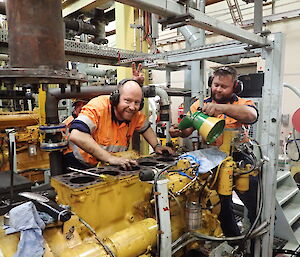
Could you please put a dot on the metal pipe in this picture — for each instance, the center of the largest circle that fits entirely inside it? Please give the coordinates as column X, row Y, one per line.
column 293, row 88
column 190, row 240
column 195, row 37
column 164, row 97
column 36, row 36
column 80, row 26
column 154, row 25
column 93, row 71
column 55, row 94
column 258, row 16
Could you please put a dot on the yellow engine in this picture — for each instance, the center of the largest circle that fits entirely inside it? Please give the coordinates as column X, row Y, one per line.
column 115, row 214
column 127, row 213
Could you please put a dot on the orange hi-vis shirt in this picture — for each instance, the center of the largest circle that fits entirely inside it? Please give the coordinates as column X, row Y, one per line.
column 111, row 135
column 230, row 123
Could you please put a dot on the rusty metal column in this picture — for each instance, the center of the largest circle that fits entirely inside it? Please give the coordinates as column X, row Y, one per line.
column 36, row 34
column 37, row 56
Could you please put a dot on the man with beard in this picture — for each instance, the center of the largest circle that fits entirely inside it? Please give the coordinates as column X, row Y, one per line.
column 236, row 111
column 106, row 124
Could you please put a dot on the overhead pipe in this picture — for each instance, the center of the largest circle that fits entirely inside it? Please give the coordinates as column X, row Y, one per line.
column 55, row 94
column 195, row 37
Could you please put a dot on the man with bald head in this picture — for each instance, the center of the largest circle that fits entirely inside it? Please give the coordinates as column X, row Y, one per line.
column 106, row 125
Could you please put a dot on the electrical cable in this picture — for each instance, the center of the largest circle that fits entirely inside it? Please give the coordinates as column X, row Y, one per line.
column 88, row 226
column 182, row 173
column 254, row 161
column 259, row 147
column 250, row 231
column 286, row 251
column 297, row 146
column 232, row 239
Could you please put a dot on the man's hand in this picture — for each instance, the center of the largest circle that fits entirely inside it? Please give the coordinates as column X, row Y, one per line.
column 213, row 109
column 175, row 131
column 159, row 149
column 137, row 73
column 126, row 164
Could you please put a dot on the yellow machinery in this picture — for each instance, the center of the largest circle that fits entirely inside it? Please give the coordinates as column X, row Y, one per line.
column 119, row 213
column 115, row 212
column 31, row 161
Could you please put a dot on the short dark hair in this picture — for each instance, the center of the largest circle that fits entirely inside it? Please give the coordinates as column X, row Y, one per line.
column 226, row 70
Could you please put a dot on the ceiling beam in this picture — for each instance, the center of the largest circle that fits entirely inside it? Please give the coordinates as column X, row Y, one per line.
column 169, row 8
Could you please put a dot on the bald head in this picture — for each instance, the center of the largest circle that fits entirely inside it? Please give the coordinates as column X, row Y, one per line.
column 131, row 86
column 131, row 95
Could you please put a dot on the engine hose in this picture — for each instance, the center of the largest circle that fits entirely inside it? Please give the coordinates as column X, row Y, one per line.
column 194, row 236
column 106, row 248
column 198, row 236
column 190, row 240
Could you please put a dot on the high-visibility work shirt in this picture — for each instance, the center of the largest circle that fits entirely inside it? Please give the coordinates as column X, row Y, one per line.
column 110, row 134
column 230, row 123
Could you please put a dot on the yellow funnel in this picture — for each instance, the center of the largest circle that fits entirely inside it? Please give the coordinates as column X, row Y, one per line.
column 210, row 128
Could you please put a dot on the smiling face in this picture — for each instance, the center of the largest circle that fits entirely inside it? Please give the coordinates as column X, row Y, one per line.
column 222, row 88
column 130, row 100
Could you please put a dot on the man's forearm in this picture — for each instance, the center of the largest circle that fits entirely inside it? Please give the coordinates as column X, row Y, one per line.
column 86, row 142
column 242, row 113
column 150, row 137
